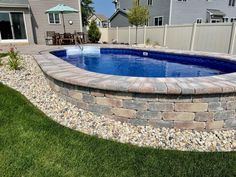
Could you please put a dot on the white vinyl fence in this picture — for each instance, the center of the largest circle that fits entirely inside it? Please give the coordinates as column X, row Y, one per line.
column 220, row 37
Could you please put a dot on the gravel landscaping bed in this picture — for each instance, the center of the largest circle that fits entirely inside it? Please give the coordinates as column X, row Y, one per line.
column 31, row 82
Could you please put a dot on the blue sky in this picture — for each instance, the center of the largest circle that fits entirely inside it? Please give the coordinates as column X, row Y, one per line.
column 105, row 7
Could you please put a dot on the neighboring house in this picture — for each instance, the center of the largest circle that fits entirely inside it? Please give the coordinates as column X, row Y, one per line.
column 101, row 20
column 119, row 18
column 163, row 12
column 25, row 21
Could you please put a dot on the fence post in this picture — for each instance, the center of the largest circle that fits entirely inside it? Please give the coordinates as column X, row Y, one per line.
column 193, row 36
column 232, row 39
column 144, row 34
column 165, row 35
column 129, row 36
column 117, row 34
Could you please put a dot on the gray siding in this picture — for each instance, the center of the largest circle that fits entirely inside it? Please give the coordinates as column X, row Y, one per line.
column 126, row 4
column 40, row 19
column 159, row 8
column 182, row 12
column 27, row 17
column 120, row 20
column 187, row 12
column 14, row 2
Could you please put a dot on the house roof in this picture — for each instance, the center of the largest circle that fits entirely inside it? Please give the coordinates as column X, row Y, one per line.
column 14, row 3
column 125, row 12
column 101, row 17
column 216, row 12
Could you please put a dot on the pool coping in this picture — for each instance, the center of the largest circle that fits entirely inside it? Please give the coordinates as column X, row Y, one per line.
column 60, row 70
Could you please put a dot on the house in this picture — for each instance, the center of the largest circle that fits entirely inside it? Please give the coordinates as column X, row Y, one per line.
column 25, row 21
column 119, row 18
column 101, row 20
column 174, row 12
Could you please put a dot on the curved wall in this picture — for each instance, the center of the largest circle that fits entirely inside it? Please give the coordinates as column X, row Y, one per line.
column 207, row 103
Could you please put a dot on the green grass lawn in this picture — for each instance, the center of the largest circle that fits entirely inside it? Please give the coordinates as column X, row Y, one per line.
column 33, row 145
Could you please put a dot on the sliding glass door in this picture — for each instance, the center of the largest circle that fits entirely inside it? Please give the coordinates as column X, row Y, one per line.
column 18, row 25
column 12, row 26
column 5, row 26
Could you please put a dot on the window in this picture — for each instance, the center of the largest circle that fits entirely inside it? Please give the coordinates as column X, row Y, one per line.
column 54, row 18
column 225, row 19
column 231, row 2
column 158, row 21
column 232, row 20
column 199, row 20
column 150, row 2
column 137, row 3
column 182, row 0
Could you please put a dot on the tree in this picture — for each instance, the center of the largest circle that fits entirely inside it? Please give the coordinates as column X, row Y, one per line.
column 94, row 34
column 138, row 16
column 86, row 10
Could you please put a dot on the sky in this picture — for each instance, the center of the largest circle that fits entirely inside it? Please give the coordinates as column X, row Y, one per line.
column 105, row 7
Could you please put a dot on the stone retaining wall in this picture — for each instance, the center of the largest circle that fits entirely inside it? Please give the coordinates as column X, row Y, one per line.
column 198, row 112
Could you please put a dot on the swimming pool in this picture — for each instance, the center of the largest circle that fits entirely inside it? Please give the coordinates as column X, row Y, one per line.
column 196, row 103
column 141, row 63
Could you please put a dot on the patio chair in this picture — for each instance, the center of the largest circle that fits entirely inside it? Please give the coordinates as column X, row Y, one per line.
column 80, row 37
column 57, row 38
column 50, row 38
column 67, row 38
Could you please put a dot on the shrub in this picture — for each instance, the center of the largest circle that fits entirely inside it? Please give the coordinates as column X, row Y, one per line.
column 94, row 34
column 14, row 60
column 148, row 41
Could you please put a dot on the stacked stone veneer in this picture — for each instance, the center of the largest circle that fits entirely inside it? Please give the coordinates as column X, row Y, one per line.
column 198, row 112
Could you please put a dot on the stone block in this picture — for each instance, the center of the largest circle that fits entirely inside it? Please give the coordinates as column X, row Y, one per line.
column 97, row 93
column 138, row 122
column 214, row 125
column 226, row 98
column 203, row 116
column 109, row 102
column 230, row 123
column 231, row 105
column 224, row 115
column 215, row 106
column 189, row 125
column 120, row 119
column 161, row 106
column 76, row 94
column 148, row 115
column 82, row 105
column 191, row 107
column 206, row 99
column 175, row 99
column 145, row 97
column 161, row 123
column 122, row 96
column 178, row 116
column 88, row 98
column 100, row 109
column 135, row 104
column 63, row 91
column 124, row 112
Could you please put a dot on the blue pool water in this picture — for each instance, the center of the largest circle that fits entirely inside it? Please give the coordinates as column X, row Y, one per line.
column 137, row 63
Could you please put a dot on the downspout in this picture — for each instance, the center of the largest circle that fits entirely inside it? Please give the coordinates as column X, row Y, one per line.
column 170, row 12
column 80, row 16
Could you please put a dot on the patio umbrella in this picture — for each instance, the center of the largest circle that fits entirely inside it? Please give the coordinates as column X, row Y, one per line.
column 62, row 9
